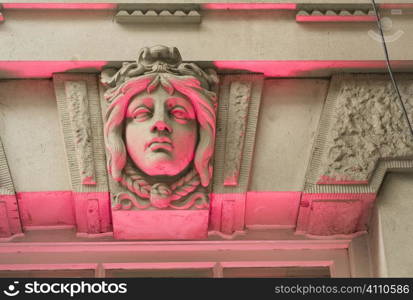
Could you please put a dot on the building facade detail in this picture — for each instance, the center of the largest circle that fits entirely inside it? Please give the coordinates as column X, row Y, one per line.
column 160, row 134
column 362, row 134
column 10, row 224
column 80, row 115
column 240, row 98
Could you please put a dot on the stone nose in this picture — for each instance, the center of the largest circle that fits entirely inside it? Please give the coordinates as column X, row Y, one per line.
column 161, row 126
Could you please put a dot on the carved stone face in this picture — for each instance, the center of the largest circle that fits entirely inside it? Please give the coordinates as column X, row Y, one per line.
column 161, row 132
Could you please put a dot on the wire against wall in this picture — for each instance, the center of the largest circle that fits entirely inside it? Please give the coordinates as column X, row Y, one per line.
column 389, row 66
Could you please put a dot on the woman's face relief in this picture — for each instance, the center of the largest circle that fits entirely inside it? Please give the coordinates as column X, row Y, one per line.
column 161, row 132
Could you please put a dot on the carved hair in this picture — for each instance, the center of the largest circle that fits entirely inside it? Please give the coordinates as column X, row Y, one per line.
column 203, row 101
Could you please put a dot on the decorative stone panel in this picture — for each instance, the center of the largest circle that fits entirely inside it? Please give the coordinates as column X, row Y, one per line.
column 240, row 97
column 163, row 16
column 81, row 119
column 362, row 134
column 341, row 15
column 159, row 129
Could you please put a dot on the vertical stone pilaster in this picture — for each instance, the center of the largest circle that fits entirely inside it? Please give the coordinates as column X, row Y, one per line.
column 239, row 103
column 81, row 119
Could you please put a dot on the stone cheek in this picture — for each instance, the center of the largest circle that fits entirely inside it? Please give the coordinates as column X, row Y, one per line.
column 367, row 125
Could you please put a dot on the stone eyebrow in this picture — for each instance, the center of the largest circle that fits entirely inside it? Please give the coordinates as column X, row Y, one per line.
column 172, row 101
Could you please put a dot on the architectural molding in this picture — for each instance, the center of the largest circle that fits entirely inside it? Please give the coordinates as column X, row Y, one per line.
column 360, row 110
column 134, row 257
column 336, row 16
column 160, row 16
column 240, row 97
column 78, row 107
column 78, row 104
column 362, row 134
column 10, row 224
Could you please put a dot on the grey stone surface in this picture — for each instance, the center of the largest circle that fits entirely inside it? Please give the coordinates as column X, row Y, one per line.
column 83, row 133
column 6, row 183
column 289, row 115
column 228, row 125
column 395, row 208
column 29, row 127
column 28, row 35
column 369, row 124
column 78, row 107
column 362, row 134
column 239, row 98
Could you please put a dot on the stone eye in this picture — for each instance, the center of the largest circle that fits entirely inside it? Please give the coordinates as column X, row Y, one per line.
column 179, row 113
column 142, row 113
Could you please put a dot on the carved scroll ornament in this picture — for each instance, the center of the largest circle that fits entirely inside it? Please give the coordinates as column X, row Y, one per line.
column 160, row 131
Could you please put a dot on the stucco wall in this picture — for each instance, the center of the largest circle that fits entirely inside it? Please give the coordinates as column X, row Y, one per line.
column 31, row 134
column 395, row 209
column 289, row 115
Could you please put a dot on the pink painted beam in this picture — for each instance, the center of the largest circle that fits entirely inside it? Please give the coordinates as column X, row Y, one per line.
column 50, row 208
column 160, row 224
column 88, row 211
column 272, row 208
column 45, row 69
column 336, row 18
column 270, row 68
column 249, row 6
column 297, row 68
column 63, row 6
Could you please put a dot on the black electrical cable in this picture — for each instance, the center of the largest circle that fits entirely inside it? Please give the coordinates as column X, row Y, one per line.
column 389, row 67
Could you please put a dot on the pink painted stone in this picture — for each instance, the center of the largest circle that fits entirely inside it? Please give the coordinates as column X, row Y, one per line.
column 335, row 217
column 160, row 224
column 50, row 208
column 222, row 217
column 249, row 6
column 88, row 219
column 334, row 214
column 228, row 216
column 75, row 6
column 4, row 222
column 9, row 215
column 272, row 208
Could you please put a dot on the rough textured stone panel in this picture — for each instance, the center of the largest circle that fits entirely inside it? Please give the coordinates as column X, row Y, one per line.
column 369, row 125
column 362, row 134
column 77, row 102
column 236, row 124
